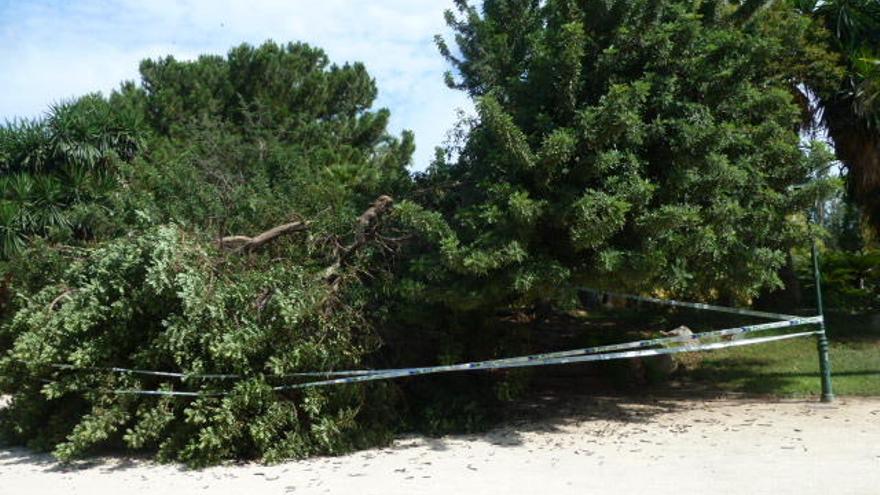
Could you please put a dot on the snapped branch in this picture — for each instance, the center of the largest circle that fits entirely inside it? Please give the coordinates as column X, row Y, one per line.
column 241, row 243
column 367, row 225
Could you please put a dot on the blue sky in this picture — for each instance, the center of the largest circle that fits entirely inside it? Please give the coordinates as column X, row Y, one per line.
column 53, row 50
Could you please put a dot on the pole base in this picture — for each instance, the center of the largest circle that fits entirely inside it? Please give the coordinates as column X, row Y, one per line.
column 824, row 366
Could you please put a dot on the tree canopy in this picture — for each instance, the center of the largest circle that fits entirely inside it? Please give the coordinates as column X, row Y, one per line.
column 642, row 144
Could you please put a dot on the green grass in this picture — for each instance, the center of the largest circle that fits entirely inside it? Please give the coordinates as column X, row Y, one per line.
column 791, row 368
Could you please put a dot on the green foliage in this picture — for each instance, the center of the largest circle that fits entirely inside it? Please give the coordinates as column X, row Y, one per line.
column 266, row 132
column 292, row 87
column 846, row 227
column 651, row 144
column 112, row 212
column 160, row 300
column 849, row 107
column 855, row 25
column 848, row 261
column 58, row 174
column 638, row 143
column 850, row 280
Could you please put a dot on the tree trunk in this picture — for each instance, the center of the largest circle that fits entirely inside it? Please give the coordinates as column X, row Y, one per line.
column 858, row 147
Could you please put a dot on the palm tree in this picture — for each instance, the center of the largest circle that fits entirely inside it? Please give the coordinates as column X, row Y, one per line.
column 852, row 112
column 53, row 167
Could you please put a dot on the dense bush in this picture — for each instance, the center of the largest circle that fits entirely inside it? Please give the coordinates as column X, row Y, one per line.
column 58, row 174
column 160, row 300
column 850, row 280
column 176, row 277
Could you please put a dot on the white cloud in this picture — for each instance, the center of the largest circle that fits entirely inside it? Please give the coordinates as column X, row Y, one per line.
column 53, row 50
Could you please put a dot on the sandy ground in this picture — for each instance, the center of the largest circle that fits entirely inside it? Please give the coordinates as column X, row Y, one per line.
column 609, row 445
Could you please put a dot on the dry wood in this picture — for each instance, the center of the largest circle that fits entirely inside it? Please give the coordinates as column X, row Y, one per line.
column 366, row 230
column 67, row 294
column 241, row 243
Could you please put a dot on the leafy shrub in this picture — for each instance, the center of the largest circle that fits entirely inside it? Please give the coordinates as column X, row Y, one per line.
column 850, row 280
column 163, row 301
column 195, row 158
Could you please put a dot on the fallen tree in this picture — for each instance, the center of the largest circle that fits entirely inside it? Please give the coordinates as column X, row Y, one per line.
column 168, row 212
column 250, row 244
column 164, row 301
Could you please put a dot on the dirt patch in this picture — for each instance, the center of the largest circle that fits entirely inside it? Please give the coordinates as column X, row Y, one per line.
column 619, row 445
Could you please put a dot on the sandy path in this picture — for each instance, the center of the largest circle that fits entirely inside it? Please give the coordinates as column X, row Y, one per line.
column 608, row 445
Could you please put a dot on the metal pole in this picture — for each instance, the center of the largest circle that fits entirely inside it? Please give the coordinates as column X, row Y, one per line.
column 821, row 338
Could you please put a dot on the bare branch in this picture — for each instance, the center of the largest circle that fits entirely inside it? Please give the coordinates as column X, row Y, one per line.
column 67, row 294
column 241, row 243
column 366, row 231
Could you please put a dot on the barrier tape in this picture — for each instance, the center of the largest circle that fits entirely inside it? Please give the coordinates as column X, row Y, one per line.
column 546, row 362
column 643, row 343
column 563, row 357
column 469, row 366
column 165, row 393
column 575, row 352
column 702, row 306
column 167, row 374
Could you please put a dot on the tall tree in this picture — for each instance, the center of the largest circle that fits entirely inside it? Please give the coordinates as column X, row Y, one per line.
column 643, row 143
column 277, row 123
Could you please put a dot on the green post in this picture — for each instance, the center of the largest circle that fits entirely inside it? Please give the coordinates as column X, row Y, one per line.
column 822, row 339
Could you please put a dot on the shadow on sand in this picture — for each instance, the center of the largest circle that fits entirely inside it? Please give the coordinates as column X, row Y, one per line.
column 559, row 400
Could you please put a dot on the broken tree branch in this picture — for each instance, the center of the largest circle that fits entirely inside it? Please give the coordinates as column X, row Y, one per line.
column 67, row 294
column 367, row 224
column 241, row 243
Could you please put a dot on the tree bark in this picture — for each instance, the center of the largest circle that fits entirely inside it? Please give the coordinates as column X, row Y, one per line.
column 366, row 229
column 241, row 243
column 858, row 147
